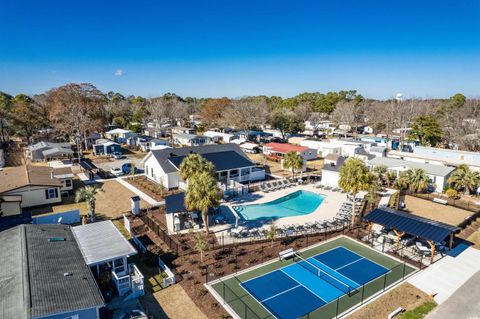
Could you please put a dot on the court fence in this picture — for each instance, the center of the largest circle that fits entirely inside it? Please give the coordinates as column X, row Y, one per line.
column 348, row 303
column 333, row 309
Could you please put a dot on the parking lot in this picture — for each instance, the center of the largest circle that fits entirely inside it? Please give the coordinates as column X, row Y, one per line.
column 107, row 163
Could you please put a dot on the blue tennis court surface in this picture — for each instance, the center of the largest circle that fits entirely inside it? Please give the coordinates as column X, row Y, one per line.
column 297, row 289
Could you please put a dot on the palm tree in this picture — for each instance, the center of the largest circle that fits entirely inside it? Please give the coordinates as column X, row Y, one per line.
column 202, row 194
column 418, row 180
column 381, row 171
column 293, row 161
column 391, row 178
column 195, row 163
column 88, row 194
column 402, row 181
column 463, row 178
column 372, row 193
column 354, row 177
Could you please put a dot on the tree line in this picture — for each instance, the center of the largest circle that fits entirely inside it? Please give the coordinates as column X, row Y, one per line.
column 77, row 109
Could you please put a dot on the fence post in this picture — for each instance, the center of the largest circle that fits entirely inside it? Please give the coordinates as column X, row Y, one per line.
column 224, row 299
column 336, row 312
column 363, row 290
column 206, row 273
column 384, row 281
column 404, row 265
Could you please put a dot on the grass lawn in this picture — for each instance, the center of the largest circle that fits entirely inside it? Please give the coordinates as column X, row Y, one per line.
column 406, row 296
column 172, row 302
column 443, row 213
column 420, row 311
column 115, row 200
column 237, row 297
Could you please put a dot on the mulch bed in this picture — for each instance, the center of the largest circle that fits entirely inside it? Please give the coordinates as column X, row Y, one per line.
column 150, row 188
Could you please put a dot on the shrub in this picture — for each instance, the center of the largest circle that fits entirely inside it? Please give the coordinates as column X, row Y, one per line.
column 202, row 292
column 451, row 193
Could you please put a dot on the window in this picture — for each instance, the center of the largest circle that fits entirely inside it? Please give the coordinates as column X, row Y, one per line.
column 68, row 183
column 51, row 193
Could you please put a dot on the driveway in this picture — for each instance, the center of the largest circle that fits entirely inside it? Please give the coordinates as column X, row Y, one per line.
column 106, row 166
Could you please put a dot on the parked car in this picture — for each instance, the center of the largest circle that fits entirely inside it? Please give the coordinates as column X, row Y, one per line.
column 117, row 155
column 116, row 171
column 127, row 167
column 134, row 314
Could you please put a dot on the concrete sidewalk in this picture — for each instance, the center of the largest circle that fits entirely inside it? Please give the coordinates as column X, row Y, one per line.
column 138, row 192
column 448, row 274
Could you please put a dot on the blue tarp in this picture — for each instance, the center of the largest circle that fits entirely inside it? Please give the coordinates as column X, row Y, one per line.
column 67, row 218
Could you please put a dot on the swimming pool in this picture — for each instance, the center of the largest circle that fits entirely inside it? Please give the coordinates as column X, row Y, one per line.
column 295, row 204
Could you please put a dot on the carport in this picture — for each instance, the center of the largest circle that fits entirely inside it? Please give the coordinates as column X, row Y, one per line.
column 402, row 223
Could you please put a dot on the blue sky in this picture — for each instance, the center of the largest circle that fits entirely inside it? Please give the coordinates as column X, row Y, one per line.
column 235, row 48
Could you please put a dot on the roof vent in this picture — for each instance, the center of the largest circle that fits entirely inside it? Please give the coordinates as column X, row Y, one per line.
column 53, row 239
column 67, row 274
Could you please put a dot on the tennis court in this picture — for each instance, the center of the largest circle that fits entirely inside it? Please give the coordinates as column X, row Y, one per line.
column 320, row 282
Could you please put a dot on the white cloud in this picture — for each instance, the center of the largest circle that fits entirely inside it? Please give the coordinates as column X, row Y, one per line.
column 119, row 72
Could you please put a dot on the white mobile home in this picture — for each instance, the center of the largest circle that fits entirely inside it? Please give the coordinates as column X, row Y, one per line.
column 231, row 164
column 438, row 174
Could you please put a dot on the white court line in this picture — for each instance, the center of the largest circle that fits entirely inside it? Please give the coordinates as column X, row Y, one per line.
column 280, row 293
column 382, row 254
column 348, row 264
column 300, row 284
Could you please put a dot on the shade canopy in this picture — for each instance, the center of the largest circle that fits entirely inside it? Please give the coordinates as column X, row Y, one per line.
column 417, row 226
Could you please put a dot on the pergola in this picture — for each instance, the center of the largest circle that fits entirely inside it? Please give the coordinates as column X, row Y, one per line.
column 432, row 231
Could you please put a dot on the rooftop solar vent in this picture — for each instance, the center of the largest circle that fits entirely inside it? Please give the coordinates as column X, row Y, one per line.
column 67, row 274
column 52, row 239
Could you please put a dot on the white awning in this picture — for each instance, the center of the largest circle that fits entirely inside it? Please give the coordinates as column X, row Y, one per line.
column 101, row 242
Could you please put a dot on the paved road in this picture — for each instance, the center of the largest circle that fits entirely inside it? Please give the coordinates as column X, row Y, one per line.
column 463, row 304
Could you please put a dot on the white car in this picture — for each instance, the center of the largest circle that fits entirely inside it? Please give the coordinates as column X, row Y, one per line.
column 117, row 171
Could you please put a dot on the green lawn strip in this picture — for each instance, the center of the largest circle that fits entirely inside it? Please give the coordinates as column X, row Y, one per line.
column 237, row 296
column 419, row 312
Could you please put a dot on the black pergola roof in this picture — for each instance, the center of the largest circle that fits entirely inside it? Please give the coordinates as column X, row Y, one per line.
column 175, row 203
column 411, row 224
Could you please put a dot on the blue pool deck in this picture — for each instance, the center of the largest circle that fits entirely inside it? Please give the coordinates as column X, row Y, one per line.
column 295, row 290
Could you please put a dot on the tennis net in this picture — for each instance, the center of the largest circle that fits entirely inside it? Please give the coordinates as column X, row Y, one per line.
column 337, row 283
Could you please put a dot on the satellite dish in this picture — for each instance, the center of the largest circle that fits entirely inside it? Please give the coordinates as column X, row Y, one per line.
column 59, row 221
column 399, row 96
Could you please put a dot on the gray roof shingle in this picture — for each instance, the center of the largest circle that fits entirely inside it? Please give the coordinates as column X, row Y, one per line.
column 232, row 153
column 32, row 273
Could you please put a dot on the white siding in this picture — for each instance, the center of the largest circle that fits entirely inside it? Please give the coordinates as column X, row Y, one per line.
column 35, row 195
column 330, row 178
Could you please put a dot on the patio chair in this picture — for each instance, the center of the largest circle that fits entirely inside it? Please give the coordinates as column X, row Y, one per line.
column 327, row 188
column 264, row 188
column 269, row 186
column 286, row 183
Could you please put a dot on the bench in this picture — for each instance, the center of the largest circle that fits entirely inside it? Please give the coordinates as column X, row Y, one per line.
column 286, row 253
column 396, row 312
column 440, row 201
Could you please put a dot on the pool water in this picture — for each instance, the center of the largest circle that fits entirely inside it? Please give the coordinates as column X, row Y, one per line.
column 294, row 204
